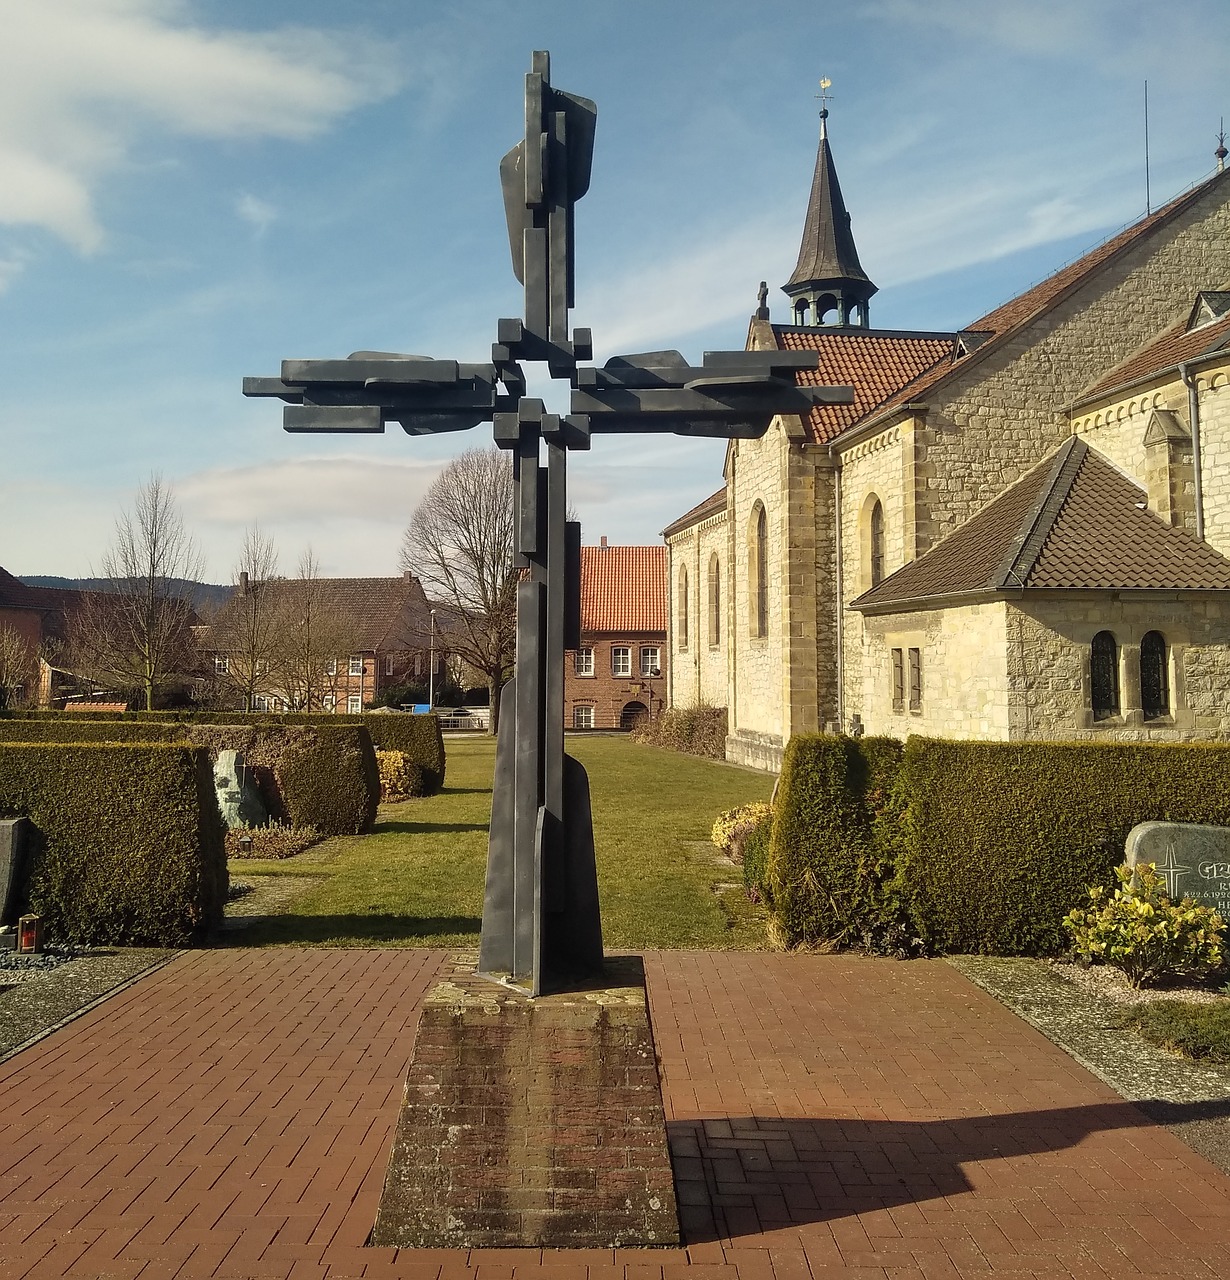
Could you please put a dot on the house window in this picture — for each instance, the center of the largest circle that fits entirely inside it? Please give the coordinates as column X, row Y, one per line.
column 222, row 664
column 328, row 703
column 621, row 660
column 715, row 601
column 1154, row 676
column 418, row 664
column 758, row 571
column 1104, row 676
column 356, row 665
column 651, row 662
column 262, row 703
column 583, row 663
column 388, row 665
column 582, row 717
column 915, row 676
column 331, row 667
column 898, row 680
column 876, row 549
column 354, row 704
column 683, row 607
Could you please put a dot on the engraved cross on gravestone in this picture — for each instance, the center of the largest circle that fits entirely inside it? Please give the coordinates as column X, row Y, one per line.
column 541, row 921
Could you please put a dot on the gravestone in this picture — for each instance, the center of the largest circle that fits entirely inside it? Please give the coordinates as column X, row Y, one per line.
column 238, row 798
column 13, row 833
column 1194, row 860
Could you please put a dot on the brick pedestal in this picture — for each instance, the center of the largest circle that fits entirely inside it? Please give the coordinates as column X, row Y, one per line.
column 531, row 1122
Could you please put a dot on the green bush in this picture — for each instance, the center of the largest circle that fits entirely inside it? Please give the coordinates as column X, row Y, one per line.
column 1138, row 930
column 1000, row 840
column 400, row 776
column 827, row 871
column 276, row 840
column 418, row 736
column 127, row 846
column 311, row 775
column 730, row 825
column 699, row 731
column 756, row 840
column 1182, row 1026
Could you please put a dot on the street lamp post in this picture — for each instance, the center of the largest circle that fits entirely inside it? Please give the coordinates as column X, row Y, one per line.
column 431, row 666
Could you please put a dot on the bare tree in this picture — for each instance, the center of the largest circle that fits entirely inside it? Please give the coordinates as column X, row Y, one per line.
column 136, row 635
column 313, row 637
column 247, row 631
column 460, row 544
column 17, row 667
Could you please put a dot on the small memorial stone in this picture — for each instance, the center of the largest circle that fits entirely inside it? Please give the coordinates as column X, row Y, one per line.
column 1193, row 860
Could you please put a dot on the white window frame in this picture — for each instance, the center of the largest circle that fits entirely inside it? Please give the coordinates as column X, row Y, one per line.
column 651, row 661
column 331, row 667
column 222, row 664
column 583, row 663
column 388, row 664
column 582, row 717
column 328, row 703
column 262, row 702
column 621, row 660
column 354, row 704
column 355, row 667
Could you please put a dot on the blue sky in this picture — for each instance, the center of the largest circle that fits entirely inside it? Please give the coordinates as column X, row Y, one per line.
column 194, row 190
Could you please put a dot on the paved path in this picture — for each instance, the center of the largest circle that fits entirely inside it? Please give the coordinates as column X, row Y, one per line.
column 230, row 1116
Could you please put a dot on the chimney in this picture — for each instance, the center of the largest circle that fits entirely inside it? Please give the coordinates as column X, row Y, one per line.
column 243, row 582
column 407, row 576
column 602, row 541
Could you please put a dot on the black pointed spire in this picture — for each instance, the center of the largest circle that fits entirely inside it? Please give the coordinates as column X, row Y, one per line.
column 828, row 276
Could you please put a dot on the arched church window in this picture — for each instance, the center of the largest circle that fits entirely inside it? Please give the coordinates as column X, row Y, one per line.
column 715, row 600
column 683, row 607
column 875, row 556
column 1104, row 675
column 758, row 571
column 1154, row 676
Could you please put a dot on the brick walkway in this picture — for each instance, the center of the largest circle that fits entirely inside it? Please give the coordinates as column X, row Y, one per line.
column 230, row 1116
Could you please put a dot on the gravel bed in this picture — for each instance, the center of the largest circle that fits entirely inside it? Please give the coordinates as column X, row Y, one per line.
column 1085, row 1013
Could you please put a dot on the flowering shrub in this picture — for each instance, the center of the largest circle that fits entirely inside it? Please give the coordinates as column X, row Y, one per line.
column 732, row 825
column 400, row 775
column 277, row 840
column 1139, row 930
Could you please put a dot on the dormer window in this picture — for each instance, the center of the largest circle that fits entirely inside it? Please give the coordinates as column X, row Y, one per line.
column 1211, row 305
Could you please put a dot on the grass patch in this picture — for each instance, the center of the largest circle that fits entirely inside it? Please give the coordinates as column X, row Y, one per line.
column 1194, row 1030
column 417, row 879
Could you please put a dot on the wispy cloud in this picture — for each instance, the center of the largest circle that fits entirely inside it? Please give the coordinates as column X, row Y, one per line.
column 260, row 213
column 82, row 80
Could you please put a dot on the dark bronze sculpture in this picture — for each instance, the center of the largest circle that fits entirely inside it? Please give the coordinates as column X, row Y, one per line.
column 541, row 920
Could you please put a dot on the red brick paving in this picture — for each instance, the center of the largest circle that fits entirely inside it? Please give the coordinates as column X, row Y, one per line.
column 230, row 1116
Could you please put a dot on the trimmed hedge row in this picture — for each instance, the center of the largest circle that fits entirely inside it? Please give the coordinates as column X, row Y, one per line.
column 127, row 843
column 967, row 846
column 419, row 737
column 320, row 775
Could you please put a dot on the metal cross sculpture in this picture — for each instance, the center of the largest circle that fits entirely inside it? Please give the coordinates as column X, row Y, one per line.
column 541, row 922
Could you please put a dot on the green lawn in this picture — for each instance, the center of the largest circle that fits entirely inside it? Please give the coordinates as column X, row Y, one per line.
column 417, row 880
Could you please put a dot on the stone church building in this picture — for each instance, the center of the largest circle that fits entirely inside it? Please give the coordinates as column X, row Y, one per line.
column 1018, row 530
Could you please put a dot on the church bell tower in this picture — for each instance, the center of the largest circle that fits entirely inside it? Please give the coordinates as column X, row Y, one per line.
column 828, row 277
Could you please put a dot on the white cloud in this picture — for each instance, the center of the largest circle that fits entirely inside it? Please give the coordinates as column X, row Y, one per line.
column 80, row 80
column 260, row 213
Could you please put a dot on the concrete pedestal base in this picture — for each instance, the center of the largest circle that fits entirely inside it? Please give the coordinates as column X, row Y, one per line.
column 531, row 1123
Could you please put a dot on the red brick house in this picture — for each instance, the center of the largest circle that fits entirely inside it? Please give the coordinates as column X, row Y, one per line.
column 617, row 678
column 372, row 635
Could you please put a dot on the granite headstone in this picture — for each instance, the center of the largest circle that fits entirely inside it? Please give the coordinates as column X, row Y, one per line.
column 1194, row 860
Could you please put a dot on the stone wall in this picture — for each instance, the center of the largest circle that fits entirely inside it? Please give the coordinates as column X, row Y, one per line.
column 964, row 684
column 1048, row 666
column 698, row 668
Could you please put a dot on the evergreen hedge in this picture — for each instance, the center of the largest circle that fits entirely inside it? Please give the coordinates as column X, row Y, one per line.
column 310, row 775
column 967, row 846
column 419, row 737
column 127, row 842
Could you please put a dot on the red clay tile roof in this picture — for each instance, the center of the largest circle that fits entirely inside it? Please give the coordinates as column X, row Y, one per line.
column 1170, row 348
column 1019, row 311
column 623, row 589
column 875, row 364
column 714, row 503
column 1075, row 522
column 387, row 614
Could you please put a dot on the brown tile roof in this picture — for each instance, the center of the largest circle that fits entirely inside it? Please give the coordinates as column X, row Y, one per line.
column 714, row 503
column 623, row 589
column 1170, row 348
column 1019, row 311
column 387, row 614
column 875, row 364
column 1075, row 522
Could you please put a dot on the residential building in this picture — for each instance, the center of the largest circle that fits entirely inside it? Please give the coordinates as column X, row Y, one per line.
column 617, row 678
